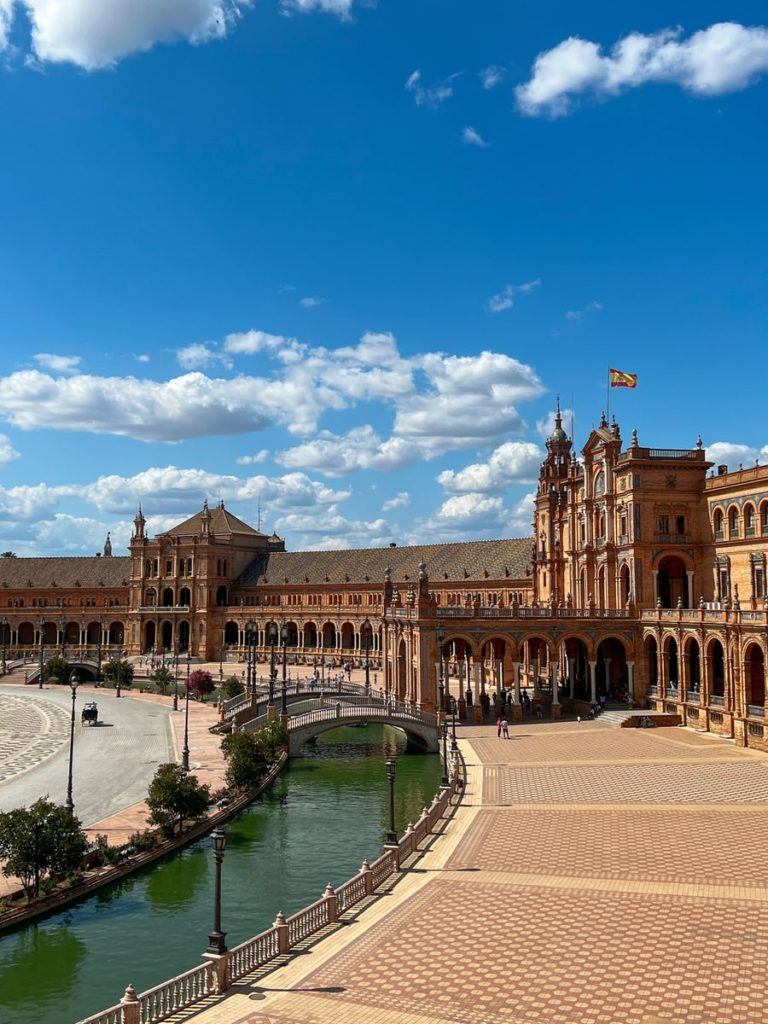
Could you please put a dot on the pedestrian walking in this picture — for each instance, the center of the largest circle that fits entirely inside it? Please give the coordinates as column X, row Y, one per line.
column 505, row 728
column 498, row 726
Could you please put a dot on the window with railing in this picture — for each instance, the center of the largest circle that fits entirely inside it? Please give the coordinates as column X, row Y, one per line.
column 733, row 523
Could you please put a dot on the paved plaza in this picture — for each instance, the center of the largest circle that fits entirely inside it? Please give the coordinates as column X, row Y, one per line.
column 591, row 876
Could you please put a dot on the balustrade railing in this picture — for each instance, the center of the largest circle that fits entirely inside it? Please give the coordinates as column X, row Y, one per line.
column 692, row 696
column 715, row 701
column 166, row 1000
column 756, row 711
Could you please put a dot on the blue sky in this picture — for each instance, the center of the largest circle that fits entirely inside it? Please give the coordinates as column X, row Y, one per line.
column 337, row 259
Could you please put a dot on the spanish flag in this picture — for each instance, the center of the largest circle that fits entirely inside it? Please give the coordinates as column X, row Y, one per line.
column 619, row 379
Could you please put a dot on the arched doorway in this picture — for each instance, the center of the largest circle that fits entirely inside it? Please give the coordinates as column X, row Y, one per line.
column 347, row 637
column 26, row 634
column 149, row 636
column 611, row 672
column 183, row 635
column 754, row 678
column 624, row 585
column 329, row 636
column 693, row 666
column 401, row 671
column 310, row 634
column 166, row 641
column 673, row 582
column 167, row 597
column 717, row 670
column 185, row 597
column 577, row 668
column 652, row 662
column 672, row 668
column 231, row 634
column 221, row 596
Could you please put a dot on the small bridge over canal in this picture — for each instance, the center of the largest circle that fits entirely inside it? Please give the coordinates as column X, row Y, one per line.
column 308, row 716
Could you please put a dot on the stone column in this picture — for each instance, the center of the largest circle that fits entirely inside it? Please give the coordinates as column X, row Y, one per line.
column 691, row 602
column 556, row 708
column 631, row 681
column 655, row 574
column 592, row 681
column 571, row 675
column 478, row 708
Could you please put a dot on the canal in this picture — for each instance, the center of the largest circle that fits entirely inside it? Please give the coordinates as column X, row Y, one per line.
column 315, row 825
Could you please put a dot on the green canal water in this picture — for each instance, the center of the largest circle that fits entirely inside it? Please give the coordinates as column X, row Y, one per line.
column 315, row 825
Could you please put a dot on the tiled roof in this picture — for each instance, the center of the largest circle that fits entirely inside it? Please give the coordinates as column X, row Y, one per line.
column 462, row 562
column 85, row 570
column 221, row 523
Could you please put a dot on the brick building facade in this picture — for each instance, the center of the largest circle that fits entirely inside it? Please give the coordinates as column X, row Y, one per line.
column 645, row 579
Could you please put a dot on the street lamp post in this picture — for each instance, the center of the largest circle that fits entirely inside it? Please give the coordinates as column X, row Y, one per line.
column 444, row 732
column 250, row 649
column 98, row 650
column 440, row 637
column 367, row 632
column 40, row 624
column 322, row 671
column 185, row 750
column 272, row 668
column 176, row 677
column 391, row 832
column 454, row 744
column 216, row 943
column 73, row 683
column 284, row 641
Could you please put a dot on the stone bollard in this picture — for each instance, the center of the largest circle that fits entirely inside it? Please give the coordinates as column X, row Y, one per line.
column 130, row 1004
column 283, row 939
column 332, row 903
column 367, row 874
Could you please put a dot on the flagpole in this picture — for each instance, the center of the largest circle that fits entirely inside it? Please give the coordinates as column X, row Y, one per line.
column 608, row 396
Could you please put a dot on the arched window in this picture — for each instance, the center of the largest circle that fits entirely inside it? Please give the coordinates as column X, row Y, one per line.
column 717, row 523
column 749, row 520
column 733, row 522
column 764, row 518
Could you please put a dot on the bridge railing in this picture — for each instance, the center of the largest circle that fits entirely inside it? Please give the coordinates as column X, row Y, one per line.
column 215, row 976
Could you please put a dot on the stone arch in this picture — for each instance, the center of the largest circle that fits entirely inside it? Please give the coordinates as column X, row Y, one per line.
column 576, row 652
column 754, row 676
column 329, row 636
column 292, row 638
column 183, row 635
column 670, row 651
column 763, row 517
column 166, row 635
column 26, row 634
column 611, row 672
column 716, row 664
column 149, row 636
column 221, row 596
column 749, row 519
column 625, row 584
column 718, row 519
column 672, row 579
column 231, row 633
column 166, row 597
column 732, row 517
column 401, row 669
column 347, row 634
column 602, row 596
column 310, row 634
column 692, row 658
column 185, row 597
column 652, row 660
column 116, row 633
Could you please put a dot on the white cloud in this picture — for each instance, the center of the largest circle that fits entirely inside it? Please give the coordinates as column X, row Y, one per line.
column 545, row 427
column 341, row 8
column 26, row 504
column 311, row 300
column 197, row 356
column 94, row 34
column 6, row 20
column 7, row 452
column 579, row 314
column 505, row 299
column 328, row 529
column 734, row 456
column 250, row 460
column 512, row 462
column 59, row 364
column 143, row 358
column 248, row 343
column 430, row 96
column 492, row 76
column 401, row 500
column 360, row 448
column 473, row 138
column 722, row 58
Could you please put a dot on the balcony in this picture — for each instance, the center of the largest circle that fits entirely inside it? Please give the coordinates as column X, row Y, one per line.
column 756, row 711
column 672, row 538
column 716, row 702
column 692, row 697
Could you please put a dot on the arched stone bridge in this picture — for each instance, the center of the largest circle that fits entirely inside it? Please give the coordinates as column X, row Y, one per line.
column 419, row 726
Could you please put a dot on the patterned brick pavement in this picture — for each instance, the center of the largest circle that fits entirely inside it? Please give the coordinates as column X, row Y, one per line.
column 589, row 877
column 30, row 732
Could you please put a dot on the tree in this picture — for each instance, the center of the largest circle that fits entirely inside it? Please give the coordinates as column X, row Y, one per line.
column 44, row 841
column 175, row 797
column 245, row 759
column 115, row 671
column 231, row 687
column 200, row 683
column 57, row 669
column 8, row 554
column 162, row 677
column 270, row 737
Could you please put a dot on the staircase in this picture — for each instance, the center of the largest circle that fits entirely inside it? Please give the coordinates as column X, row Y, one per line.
column 615, row 716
